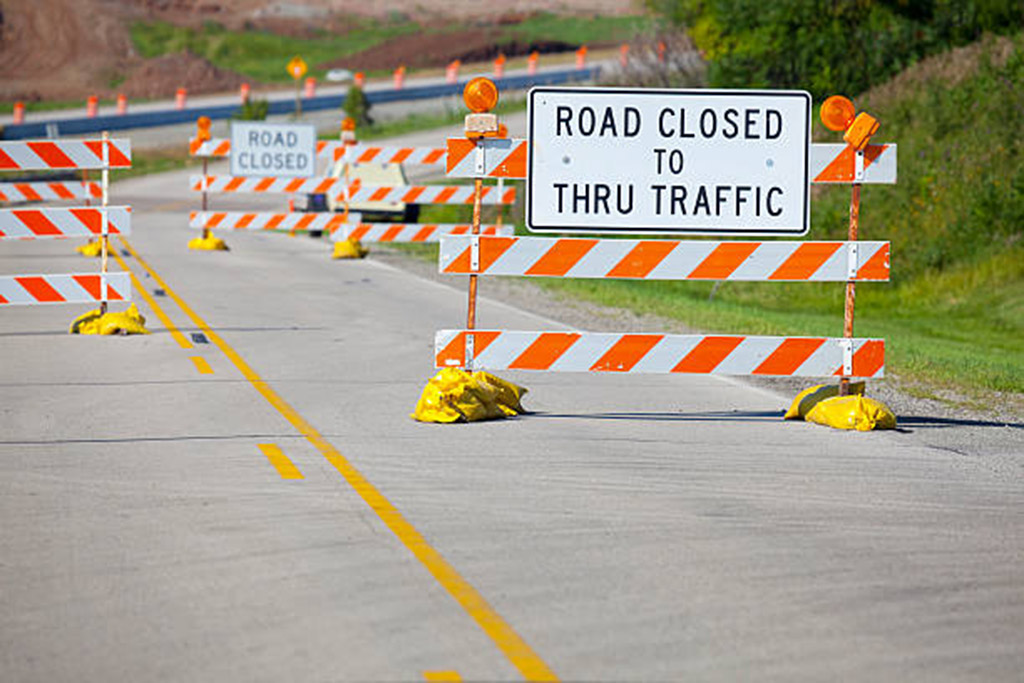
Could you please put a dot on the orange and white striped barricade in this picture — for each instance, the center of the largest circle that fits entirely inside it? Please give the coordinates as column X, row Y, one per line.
column 259, row 220
column 102, row 221
column 61, row 223
column 335, row 150
column 660, row 353
column 49, row 191
column 412, row 232
column 40, row 155
column 407, row 194
column 777, row 261
column 74, row 288
column 430, row 194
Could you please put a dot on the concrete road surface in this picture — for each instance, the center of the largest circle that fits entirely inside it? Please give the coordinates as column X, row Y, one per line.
column 242, row 496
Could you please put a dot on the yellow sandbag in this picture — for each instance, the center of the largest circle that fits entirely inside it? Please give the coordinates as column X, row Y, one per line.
column 808, row 398
column 91, row 249
column 454, row 395
column 125, row 322
column 349, row 249
column 853, row 412
column 210, row 243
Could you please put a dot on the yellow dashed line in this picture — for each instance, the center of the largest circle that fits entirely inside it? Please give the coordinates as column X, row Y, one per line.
column 442, row 676
column 518, row 652
column 201, row 365
column 285, row 467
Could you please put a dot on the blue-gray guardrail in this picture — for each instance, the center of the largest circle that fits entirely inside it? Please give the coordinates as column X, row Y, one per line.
column 96, row 124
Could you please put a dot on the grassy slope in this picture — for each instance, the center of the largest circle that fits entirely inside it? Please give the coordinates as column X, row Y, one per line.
column 262, row 56
column 953, row 314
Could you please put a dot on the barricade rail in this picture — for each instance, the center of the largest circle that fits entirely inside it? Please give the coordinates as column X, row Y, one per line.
column 666, row 259
column 64, row 222
column 46, row 191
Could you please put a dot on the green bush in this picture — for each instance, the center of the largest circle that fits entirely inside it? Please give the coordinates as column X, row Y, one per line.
column 358, row 107
column 830, row 46
column 253, row 110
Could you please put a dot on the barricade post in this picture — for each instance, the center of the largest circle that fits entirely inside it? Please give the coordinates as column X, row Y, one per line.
column 565, row 194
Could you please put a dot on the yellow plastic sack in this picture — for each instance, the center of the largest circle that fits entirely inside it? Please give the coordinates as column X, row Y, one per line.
column 349, row 249
column 210, row 243
column 808, row 398
column 454, row 395
column 91, row 249
column 125, row 322
column 852, row 412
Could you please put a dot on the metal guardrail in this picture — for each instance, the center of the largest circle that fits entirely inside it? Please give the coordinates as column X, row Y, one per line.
column 83, row 125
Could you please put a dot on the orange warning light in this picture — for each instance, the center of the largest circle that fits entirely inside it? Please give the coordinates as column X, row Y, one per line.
column 348, row 123
column 480, row 95
column 203, row 128
column 861, row 130
column 837, row 113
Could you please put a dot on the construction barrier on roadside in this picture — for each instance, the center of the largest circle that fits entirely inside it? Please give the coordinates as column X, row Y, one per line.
column 341, row 227
column 665, row 259
column 55, row 223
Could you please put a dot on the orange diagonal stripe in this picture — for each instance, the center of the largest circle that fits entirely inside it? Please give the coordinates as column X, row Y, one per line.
column 561, row 257
column 37, row 222
column 458, row 149
column 40, row 289
column 789, row 356
column 723, row 261
column 805, row 261
column 626, row 352
column 642, row 259
column 706, row 356
column 544, row 351
column 877, row 267
column 50, row 153
column 444, row 195
column 514, row 165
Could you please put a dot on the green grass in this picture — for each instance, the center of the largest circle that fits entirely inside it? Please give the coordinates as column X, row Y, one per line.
column 262, row 55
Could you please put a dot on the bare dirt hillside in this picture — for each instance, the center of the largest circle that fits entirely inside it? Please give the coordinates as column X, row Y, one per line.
column 69, row 49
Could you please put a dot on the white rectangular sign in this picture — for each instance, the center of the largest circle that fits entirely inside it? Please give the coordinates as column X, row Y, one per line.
column 706, row 162
column 273, row 149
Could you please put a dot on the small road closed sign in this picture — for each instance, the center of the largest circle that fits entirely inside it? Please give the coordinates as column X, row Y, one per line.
column 272, row 149
column 704, row 162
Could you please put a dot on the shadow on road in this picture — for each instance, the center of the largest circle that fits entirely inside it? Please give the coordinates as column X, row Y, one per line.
column 718, row 416
column 925, row 422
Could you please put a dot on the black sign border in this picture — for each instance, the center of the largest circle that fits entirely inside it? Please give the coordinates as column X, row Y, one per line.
column 658, row 230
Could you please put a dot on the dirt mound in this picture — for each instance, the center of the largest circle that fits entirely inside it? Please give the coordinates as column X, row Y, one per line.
column 437, row 49
column 162, row 76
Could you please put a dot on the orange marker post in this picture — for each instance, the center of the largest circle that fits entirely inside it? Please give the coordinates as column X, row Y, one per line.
column 624, row 55
column 180, row 97
column 359, row 79
column 399, row 77
column 581, row 57
column 310, row 87
column 19, row 113
column 122, row 104
column 92, row 105
column 243, row 93
column 451, row 72
column 531, row 63
column 662, row 49
column 499, row 66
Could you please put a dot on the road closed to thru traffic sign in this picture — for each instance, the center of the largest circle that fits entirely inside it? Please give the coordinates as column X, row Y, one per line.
column 707, row 162
column 273, row 149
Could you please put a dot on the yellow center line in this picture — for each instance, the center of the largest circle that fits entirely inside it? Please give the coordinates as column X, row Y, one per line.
column 518, row 652
column 201, row 365
column 175, row 332
column 285, row 467
column 442, row 676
